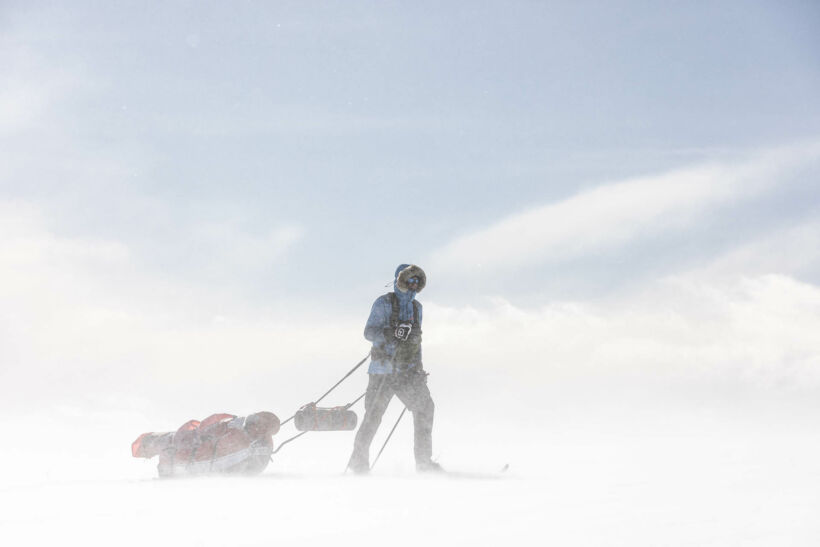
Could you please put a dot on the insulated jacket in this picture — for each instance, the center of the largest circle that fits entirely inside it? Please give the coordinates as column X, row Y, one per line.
column 379, row 328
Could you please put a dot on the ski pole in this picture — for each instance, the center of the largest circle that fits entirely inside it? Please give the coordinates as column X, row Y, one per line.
column 388, row 438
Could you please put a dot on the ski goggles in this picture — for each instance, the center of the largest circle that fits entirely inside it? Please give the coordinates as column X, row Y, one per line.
column 413, row 281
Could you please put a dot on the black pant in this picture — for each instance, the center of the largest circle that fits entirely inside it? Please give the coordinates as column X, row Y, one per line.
column 411, row 389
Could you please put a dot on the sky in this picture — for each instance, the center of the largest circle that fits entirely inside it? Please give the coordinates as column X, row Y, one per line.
column 616, row 203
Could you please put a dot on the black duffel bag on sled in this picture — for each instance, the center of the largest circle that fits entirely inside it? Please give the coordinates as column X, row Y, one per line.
column 313, row 418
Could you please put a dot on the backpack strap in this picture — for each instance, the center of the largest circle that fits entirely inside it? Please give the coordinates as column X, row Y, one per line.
column 394, row 312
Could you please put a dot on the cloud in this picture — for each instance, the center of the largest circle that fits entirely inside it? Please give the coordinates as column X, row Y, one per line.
column 794, row 249
column 88, row 340
column 612, row 215
column 31, row 89
column 25, row 239
column 78, row 316
column 749, row 331
column 77, row 308
column 235, row 249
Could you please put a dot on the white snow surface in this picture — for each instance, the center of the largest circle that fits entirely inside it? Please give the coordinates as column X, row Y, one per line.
column 673, row 476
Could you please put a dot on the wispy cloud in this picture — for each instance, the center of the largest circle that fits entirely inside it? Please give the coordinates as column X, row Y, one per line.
column 791, row 250
column 77, row 311
column 77, row 308
column 31, row 88
column 748, row 331
column 614, row 214
column 234, row 248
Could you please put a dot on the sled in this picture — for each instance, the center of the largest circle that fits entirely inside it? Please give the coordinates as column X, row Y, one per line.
column 229, row 444
column 221, row 443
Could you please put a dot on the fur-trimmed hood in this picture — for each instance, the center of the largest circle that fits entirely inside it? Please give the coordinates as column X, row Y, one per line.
column 405, row 272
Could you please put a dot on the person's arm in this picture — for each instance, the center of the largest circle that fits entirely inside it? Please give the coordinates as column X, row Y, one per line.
column 376, row 323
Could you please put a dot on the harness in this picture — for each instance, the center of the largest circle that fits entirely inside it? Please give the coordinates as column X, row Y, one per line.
column 394, row 312
column 401, row 358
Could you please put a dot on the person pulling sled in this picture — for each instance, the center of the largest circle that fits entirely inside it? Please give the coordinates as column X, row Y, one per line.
column 394, row 328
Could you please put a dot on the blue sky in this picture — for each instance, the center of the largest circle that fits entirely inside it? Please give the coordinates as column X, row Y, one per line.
column 197, row 163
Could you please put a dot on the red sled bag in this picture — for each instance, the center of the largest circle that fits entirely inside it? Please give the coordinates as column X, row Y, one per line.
column 221, row 443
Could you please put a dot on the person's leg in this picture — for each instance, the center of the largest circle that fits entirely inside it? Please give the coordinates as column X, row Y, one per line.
column 378, row 395
column 412, row 390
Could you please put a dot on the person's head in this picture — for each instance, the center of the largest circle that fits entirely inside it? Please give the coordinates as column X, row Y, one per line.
column 410, row 277
column 412, row 283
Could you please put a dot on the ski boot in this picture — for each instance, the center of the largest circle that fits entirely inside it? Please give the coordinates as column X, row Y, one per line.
column 429, row 467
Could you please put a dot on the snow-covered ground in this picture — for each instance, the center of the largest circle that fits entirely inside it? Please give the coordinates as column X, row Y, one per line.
column 696, row 476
